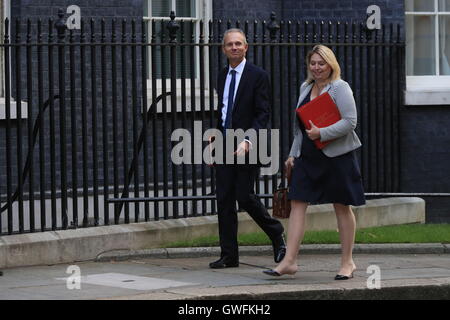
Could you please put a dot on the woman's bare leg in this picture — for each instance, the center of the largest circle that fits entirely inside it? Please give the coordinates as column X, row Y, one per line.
column 296, row 231
column 347, row 228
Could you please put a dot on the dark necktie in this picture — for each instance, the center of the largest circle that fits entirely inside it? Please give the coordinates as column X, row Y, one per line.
column 230, row 100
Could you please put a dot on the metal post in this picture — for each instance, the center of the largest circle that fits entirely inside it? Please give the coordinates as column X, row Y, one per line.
column 173, row 27
column 61, row 28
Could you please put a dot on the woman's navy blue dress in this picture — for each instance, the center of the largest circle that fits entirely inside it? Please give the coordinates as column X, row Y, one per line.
column 319, row 179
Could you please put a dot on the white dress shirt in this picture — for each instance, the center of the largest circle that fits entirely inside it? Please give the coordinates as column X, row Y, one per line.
column 239, row 70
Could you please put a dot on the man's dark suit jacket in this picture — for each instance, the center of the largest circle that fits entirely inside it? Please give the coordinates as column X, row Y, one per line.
column 252, row 103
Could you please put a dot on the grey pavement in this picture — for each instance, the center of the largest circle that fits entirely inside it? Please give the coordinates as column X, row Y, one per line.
column 407, row 271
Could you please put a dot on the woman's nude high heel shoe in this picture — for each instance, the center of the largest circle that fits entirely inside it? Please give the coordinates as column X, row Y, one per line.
column 273, row 273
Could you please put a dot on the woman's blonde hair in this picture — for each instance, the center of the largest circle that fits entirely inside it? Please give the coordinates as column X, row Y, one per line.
column 328, row 55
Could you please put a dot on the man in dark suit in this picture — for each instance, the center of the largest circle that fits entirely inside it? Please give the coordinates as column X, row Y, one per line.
column 244, row 103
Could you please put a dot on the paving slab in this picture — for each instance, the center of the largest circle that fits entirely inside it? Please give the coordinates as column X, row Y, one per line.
column 405, row 276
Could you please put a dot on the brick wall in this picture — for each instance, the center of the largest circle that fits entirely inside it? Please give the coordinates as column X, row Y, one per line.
column 89, row 8
column 345, row 10
column 425, row 158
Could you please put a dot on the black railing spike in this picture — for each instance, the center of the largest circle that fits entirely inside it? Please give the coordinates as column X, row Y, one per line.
column 18, row 30
column 264, row 34
column 306, row 31
column 273, row 27
column 173, row 27
column 60, row 24
column 321, row 31
column 330, row 30
column 289, row 28
column 282, row 25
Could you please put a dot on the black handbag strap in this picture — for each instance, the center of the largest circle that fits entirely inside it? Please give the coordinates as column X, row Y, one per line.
column 283, row 177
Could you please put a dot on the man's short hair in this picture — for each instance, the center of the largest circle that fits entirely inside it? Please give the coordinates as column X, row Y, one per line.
column 231, row 31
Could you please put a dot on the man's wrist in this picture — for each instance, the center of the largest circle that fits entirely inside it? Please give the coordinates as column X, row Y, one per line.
column 249, row 142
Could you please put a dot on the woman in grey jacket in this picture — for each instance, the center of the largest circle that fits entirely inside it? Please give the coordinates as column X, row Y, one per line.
column 329, row 175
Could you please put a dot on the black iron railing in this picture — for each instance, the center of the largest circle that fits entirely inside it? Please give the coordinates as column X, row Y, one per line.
column 94, row 147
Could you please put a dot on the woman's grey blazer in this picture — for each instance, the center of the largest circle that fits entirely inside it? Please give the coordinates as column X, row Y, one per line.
column 343, row 130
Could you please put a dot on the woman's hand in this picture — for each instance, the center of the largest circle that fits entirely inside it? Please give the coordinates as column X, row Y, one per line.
column 289, row 165
column 289, row 162
column 314, row 133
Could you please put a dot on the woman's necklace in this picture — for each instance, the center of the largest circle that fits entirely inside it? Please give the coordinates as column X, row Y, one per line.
column 320, row 88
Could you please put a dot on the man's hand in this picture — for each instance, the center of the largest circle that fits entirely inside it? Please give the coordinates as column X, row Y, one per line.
column 210, row 141
column 314, row 133
column 243, row 148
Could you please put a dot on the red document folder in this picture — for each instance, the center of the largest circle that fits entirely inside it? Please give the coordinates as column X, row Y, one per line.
column 322, row 111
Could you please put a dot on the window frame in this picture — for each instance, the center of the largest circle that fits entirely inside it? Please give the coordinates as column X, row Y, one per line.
column 429, row 89
column 203, row 11
column 6, row 13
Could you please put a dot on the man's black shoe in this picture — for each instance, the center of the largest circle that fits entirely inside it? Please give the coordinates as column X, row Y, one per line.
column 279, row 249
column 224, row 263
column 1, row 273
